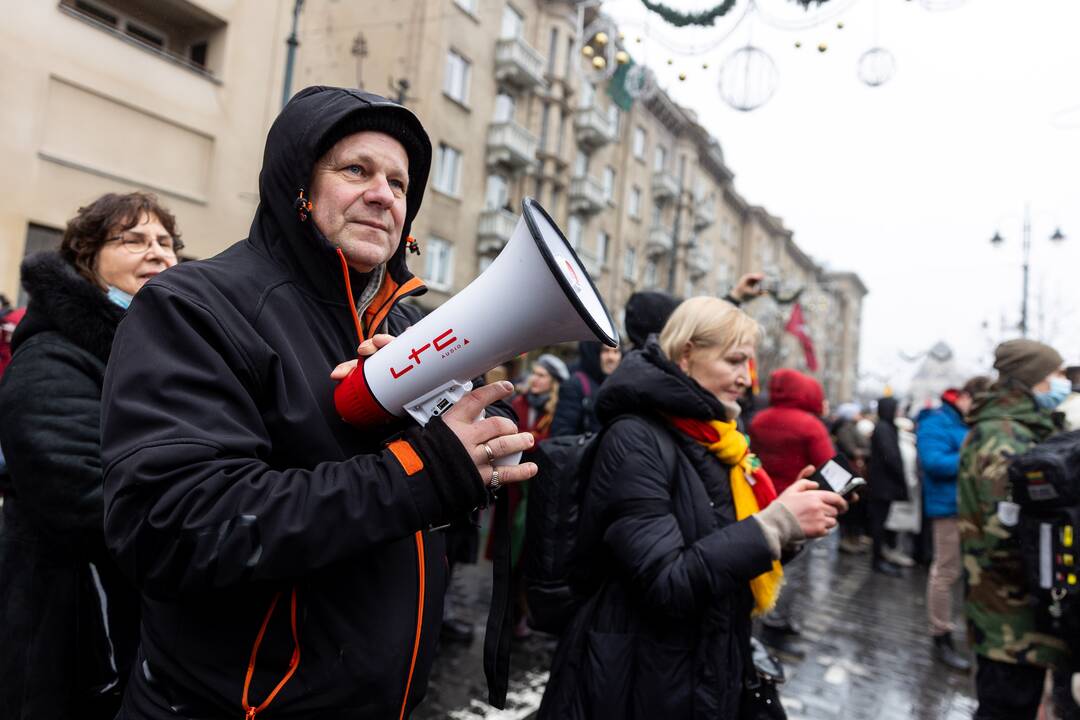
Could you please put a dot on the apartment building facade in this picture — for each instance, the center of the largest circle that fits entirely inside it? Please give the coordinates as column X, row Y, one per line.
column 176, row 97
column 122, row 95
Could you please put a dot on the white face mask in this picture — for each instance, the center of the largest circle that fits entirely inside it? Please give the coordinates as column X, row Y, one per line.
column 119, row 297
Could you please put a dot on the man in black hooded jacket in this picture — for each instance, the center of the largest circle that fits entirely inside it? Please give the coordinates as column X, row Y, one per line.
column 284, row 557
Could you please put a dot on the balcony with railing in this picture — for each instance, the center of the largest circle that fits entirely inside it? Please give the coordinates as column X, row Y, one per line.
column 510, row 145
column 664, row 186
column 586, row 196
column 659, row 241
column 494, row 230
column 698, row 261
column 518, row 64
column 704, row 212
column 593, row 128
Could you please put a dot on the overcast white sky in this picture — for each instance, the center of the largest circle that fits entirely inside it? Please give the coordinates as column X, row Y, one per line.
column 905, row 183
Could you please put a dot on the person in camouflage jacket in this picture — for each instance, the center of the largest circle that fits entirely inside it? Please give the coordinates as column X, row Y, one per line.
column 1012, row 655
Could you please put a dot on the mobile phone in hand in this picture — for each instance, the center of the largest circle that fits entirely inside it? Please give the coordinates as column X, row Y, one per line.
column 837, row 476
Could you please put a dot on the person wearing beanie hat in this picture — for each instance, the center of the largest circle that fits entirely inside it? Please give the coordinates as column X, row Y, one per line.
column 1012, row 652
column 237, row 498
column 1028, row 362
column 646, row 313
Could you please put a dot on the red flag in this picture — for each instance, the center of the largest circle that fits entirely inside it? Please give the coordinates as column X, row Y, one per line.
column 796, row 325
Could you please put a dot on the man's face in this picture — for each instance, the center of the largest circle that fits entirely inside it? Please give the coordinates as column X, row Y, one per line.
column 358, row 191
column 609, row 359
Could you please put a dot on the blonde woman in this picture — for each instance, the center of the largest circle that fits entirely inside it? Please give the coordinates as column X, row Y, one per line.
column 681, row 532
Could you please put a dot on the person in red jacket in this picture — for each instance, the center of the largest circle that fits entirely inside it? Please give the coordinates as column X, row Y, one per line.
column 788, row 436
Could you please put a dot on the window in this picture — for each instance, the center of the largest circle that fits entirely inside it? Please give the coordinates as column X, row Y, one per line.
column 656, row 210
column 588, row 92
column 690, row 289
column 650, row 274
column 448, row 170
column 659, row 158
column 553, row 49
column 545, row 115
column 108, row 16
column 439, row 267
column 569, row 55
column 639, row 142
column 512, row 23
column 602, row 247
column 609, row 183
column 613, row 118
column 553, row 209
column 573, row 231
column 629, row 268
column 497, row 193
column 504, row 107
column 561, row 135
column 635, row 202
column 581, row 164
column 456, row 77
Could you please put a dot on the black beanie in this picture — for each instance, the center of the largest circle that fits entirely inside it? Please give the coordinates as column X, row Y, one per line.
column 646, row 313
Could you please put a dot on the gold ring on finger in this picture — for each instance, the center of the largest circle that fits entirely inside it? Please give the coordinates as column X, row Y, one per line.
column 489, row 452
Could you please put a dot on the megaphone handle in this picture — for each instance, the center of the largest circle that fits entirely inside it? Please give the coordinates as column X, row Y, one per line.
column 512, row 459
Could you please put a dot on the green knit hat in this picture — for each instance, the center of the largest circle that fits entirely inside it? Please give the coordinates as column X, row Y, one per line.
column 1026, row 361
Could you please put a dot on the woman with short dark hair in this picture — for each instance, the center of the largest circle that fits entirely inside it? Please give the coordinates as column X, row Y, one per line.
column 68, row 621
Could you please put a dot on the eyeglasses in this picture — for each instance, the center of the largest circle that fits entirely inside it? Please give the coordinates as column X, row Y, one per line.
column 136, row 243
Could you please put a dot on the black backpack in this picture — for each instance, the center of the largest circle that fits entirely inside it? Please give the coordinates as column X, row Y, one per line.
column 553, row 562
column 1046, row 484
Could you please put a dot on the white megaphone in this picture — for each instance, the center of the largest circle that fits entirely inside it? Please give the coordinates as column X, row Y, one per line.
column 429, row 367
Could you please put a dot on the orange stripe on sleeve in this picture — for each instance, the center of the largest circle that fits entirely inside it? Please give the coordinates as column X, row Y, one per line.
column 405, row 455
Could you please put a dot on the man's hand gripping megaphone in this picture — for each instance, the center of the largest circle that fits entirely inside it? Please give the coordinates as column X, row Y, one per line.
column 487, row 439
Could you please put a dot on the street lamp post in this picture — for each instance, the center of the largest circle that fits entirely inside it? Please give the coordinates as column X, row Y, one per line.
column 997, row 241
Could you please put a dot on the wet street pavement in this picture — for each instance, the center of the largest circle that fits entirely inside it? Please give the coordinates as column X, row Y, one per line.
column 867, row 653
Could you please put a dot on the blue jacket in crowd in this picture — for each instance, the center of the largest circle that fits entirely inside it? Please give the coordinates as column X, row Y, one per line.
column 940, row 435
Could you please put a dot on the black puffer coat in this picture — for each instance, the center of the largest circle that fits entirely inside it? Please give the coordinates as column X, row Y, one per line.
column 231, row 480
column 667, row 633
column 68, row 619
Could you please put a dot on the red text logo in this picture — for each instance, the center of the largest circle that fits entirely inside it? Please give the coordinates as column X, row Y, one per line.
column 439, row 344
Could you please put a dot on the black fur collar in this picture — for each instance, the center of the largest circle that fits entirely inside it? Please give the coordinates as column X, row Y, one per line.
column 64, row 301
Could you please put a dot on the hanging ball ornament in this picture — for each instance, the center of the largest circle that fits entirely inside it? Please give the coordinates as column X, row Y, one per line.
column 877, row 66
column 601, row 31
column 704, row 66
column 840, row 25
column 670, row 61
column 622, row 36
column 798, row 44
column 587, row 51
column 748, row 78
column 622, row 57
column 640, row 82
column 682, row 76
column 822, row 47
column 637, row 39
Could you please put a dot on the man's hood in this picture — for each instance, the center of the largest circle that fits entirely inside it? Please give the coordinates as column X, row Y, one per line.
column 790, row 388
column 292, row 148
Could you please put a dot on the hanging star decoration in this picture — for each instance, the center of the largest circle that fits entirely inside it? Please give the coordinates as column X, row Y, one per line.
column 704, row 18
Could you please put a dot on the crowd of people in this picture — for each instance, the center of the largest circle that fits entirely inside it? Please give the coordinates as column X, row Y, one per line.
column 189, row 529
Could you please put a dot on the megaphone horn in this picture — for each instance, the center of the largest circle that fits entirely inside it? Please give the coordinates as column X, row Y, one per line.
column 535, row 293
